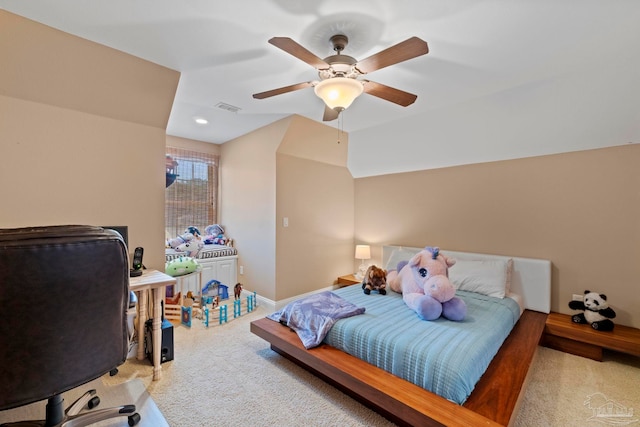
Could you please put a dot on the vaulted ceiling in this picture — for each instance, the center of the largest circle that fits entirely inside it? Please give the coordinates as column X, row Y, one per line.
column 524, row 63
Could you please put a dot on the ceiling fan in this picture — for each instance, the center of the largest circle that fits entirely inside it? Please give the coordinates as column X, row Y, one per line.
column 339, row 84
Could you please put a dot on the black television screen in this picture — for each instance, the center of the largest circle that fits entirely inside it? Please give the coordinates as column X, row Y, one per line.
column 122, row 229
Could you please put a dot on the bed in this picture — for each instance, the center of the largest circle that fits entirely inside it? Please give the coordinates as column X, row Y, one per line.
column 494, row 397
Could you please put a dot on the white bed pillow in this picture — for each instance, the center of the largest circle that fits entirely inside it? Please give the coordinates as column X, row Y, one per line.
column 398, row 255
column 486, row 277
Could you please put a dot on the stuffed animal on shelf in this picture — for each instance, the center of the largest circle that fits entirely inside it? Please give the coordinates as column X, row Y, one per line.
column 191, row 248
column 181, row 266
column 595, row 311
column 214, row 235
column 177, row 241
column 375, row 279
column 425, row 286
column 194, row 231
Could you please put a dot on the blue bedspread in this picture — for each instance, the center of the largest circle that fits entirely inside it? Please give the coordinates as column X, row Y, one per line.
column 447, row 358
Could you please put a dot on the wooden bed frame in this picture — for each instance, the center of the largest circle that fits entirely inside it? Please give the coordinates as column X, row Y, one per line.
column 495, row 397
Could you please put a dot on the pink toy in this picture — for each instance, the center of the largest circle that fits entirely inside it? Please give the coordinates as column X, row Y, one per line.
column 425, row 286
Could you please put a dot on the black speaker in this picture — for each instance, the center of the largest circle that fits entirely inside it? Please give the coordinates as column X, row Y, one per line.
column 166, row 352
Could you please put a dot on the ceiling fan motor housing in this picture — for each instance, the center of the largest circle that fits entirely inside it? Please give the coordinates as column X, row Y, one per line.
column 339, row 42
column 341, row 66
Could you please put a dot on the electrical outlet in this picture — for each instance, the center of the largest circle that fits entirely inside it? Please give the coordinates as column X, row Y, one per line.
column 242, row 269
column 577, row 297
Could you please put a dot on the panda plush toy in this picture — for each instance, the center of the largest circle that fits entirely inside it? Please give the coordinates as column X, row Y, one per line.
column 595, row 311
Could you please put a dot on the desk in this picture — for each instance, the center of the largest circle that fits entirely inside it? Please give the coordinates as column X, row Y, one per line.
column 154, row 281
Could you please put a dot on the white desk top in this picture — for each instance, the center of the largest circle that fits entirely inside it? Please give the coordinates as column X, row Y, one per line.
column 150, row 279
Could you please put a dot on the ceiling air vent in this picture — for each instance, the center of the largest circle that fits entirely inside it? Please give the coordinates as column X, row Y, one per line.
column 228, row 107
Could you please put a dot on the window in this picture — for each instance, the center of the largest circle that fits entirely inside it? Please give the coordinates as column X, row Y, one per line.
column 192, row 199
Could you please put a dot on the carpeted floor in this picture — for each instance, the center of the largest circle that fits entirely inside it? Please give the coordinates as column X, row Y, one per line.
column 113, row 395
column 566, row 390
column 226, row 376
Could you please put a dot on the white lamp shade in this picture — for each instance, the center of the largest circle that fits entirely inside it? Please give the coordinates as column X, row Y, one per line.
column 363, row 252
column 338, row 92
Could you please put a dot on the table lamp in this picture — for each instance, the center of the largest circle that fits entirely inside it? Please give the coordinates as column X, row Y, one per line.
column 362, row 252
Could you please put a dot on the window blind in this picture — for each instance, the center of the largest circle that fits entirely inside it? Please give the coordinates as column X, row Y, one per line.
column 192, row 199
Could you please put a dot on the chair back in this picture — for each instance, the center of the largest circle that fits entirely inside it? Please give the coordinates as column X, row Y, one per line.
column 64, row 294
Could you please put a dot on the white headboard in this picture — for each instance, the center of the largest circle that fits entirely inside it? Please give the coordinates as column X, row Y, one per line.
column 531, row 278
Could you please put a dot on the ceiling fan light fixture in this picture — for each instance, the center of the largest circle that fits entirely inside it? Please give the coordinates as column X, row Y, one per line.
column 338, row 92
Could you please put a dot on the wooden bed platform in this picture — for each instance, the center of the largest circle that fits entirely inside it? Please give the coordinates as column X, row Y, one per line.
column 492, row 402
column 495, row 397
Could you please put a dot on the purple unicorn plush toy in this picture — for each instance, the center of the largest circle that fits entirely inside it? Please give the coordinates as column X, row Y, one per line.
column 425, row 286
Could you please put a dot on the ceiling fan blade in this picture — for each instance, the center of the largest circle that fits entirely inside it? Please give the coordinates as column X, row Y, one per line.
column 279, row 91
column 388, row 93
column 402, row 51
column 329, row 114
column 293, row 48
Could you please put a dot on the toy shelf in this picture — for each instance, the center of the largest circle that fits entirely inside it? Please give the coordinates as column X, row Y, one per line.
column 560, row 333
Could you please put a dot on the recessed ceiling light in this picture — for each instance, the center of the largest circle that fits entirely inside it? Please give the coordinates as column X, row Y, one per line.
column 201, row 121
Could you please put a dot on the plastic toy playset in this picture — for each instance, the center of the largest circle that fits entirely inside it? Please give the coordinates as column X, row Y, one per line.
column 208, row 306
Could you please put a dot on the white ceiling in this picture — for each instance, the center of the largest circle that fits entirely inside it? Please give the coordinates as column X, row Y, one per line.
column 482, row 52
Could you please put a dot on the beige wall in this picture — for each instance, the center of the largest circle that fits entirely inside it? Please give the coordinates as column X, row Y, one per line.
column 48, row 66
column 248, row 203
column 269, row 174
column 83, row 134
column 580, row 210
column 311, row 140
column 314, row 191
column 317, row 246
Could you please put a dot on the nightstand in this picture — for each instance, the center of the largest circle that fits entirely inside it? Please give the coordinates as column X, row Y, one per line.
column 348, row 280
column 560, row 333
